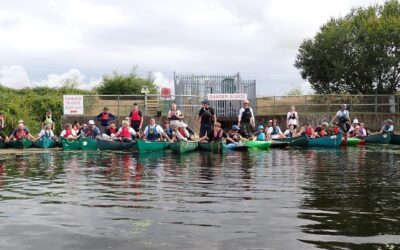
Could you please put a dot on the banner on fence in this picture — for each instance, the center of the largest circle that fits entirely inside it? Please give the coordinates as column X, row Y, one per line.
column 227, row 97
column 73, row 105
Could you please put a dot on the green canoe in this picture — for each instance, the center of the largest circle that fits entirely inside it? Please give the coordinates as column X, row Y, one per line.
column 182, row 147
column 350, row 142
column 71, row 144
column 395, row 139
column 301, row 141
column 148, row 146
column 45, row 142
column 258, row 144
column 114, row 145
column 378, row 139
column 22, row 143
column 215, row 146
column 88, row 144
column 326, row 141
column 3, row 144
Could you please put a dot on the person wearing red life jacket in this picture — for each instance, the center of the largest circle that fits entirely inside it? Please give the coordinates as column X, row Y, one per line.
column 322, row 130
column 21, row 132
column 110, row 132
column 306, row 130
column 105, row 118
column 136, row 118
column 126, row 133
column 68, row 132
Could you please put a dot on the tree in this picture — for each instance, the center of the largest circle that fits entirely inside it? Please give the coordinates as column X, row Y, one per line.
column 295, row 91
column 357, row 54
column 125, row 84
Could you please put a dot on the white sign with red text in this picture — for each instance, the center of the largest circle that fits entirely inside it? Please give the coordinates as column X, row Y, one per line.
column 73, row 105
column 227, row 96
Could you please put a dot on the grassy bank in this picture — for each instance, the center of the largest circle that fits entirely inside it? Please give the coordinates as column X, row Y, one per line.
column 30, row 105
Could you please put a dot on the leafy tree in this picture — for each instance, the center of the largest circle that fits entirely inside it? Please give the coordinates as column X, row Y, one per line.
column 295, row 91
column 126, row 84
column 356, row 54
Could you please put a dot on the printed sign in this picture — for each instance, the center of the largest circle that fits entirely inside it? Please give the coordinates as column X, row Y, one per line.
column 216, row 97
column 73, row 105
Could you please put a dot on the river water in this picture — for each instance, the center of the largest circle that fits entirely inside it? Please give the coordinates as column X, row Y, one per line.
column 347, row 198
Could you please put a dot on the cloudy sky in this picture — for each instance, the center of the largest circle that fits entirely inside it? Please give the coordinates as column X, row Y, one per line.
column 44, row 42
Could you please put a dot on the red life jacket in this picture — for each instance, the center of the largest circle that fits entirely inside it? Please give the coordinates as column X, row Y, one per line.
column 182, row 132
column 135, row 117
column 309, row 132
column 105, row 116
column 336, row 130
column 125, row 132
column 112, row 130
column 21, row 134
column 68, row 132
column 322, row 133
column 89, row 132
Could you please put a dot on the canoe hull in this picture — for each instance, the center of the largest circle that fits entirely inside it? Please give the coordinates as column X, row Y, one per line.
column 301, row 141
column 21, row 144
column 3, row 144
column 148, row 146
column 258, row 144
column 326, row 142
column 182, row 147
column 71, row 144
column 395, row 139
column 45, row 143
column 115, row 145
column 88, row 144
column 214, row 147
column 378, row 139
column 237, row 147
column 351, row 142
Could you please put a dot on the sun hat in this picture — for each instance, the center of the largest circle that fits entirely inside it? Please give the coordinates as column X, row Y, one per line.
column 20, row 121
column 235, row 127
column 325, row 124
column 91, row 122
column 355, row 121
column 389, row 121
column 105, row 108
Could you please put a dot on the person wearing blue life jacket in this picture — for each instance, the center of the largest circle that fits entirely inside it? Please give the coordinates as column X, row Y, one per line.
column 91, row 132
column 290, row 131
column 275, row 132
column 387, row 127
column 154, row 132
column 260, row 134
column 168, row 130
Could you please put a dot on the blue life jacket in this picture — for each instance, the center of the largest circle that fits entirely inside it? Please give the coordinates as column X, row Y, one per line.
column 275, row 131
column 343, row 116
column 260, row 136
column 152, row 134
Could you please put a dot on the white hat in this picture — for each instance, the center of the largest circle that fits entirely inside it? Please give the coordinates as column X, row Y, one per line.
column 355, row 121
column 20, row 121
column 91, row 122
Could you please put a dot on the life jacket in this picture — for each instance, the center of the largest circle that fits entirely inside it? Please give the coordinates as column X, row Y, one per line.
column 105, row 116
column 174, row 115
column 89, row 132
column 292, row 116
column 309, row 132
column 68, row 132
column 135, row 117
column 246, row 115
column 275, row 130
column 260, row 136
column 206, row 114
column 152, row 133
column 336, row 130
column 125, row 132
column 386, row 128
column 322, row 133
column 21, row 133
column 182, row 132
column 343, row 116
column 169, row 132
column 47, row 133
column 215, row 136
column 362, row 132
column 234, row 137
column 290, row 134
column 48, row 120
column 112, row 131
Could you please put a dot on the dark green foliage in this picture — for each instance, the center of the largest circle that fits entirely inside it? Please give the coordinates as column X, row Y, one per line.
column 125, row 84
column 357, row 54
column 31, row 104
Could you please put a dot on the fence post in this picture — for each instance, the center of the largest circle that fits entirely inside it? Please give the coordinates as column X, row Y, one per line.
column 118, row 106
column 376, row 103
column 145, row 103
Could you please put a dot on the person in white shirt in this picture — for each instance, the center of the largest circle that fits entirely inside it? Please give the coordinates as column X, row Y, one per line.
column 292, row 118
column 342, row 118
column 126, row 133
column 275, row 132
column 47, row 132
column 154, row 132
column 246, row 119
column 387, row 127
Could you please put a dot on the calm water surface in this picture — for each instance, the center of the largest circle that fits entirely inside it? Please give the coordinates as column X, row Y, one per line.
column 278, row 199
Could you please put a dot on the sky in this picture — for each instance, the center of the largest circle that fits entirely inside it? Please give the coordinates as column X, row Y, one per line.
column 45, row 42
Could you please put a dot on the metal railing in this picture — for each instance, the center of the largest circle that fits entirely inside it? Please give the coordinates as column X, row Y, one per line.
column 367, row 104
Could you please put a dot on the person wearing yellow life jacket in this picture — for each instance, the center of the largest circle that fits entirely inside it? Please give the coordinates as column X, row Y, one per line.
column 68, row 132
column 48, row 120
column 105, row 118
column 21, row 132
column 126, row 133
column 136, row 118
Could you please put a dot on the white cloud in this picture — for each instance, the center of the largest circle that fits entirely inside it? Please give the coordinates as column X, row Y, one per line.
column 162, row 81
column 14, row 76
column 58, row 80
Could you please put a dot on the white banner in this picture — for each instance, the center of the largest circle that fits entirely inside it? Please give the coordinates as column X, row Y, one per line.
column 73, row 105
column 222, row 96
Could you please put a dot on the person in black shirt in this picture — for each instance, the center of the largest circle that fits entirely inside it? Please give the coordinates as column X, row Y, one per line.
column 207, row 118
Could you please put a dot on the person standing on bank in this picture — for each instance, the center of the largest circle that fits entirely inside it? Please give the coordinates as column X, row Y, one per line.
column 207, row 118
column 246, row 120
column 105, row 118
column 292, row 118
column 48, row 120
column 136, row 118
